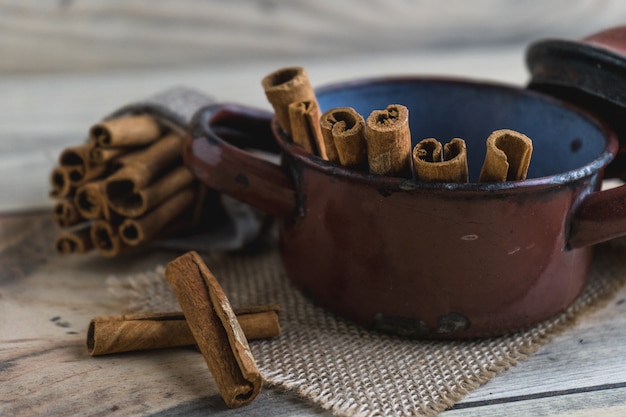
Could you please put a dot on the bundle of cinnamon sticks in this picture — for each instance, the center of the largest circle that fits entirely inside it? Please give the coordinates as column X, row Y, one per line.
column 124, row 187
column 382, row 144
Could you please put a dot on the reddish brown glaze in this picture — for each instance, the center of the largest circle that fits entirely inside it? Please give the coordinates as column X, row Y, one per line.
column 431, row 260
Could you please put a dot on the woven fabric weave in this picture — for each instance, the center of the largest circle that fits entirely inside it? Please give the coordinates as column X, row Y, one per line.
column 355, row 372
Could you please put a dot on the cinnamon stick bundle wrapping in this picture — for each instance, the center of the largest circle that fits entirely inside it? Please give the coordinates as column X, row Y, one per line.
column 507, row 157
column 389, row 141
column 343, row 130
column 125, row 131
column 215, row 329
column 304, row 119
column 435, row 163
column 126, row 333
column 130, row 166
column 285, row 86
column 74, row 241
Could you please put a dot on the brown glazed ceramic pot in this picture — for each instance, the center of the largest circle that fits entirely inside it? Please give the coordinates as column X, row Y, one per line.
column 423, row 259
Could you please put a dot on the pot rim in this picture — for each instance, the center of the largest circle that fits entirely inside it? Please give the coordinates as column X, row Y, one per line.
column 406, row 184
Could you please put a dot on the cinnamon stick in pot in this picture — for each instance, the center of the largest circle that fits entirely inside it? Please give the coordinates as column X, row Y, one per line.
column 215, row 329
column 435, row 163
column 389, row 141
column 343, row 130
column 131, row 332
column 304, row 119
column 285, row 86
column 507, row 157
column 125, row 131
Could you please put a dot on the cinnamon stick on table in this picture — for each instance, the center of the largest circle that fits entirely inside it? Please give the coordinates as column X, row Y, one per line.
column 389, row 141
column 436, row 163
column 126, row 333
column 343, row 130
column 507, row 157
column 215, row 329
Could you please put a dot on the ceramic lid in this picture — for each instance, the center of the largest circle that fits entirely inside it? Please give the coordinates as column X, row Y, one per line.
column 590, row 73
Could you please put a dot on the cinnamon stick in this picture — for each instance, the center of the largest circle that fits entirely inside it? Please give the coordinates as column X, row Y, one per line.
column 143, row 229
column 343, row 130
column 126, row 333
column 74, row 241
column 286, row 86
column 507, row 157
column 143, row 169
column 129, row 201
column 304, row 119
column 91, row 202
column 66, row 214
column 60, row 182
column 78, row 164
column 126, row 131
column 99, row 155
column 106, row 239
column 215, row 329
column 389, row 141
column 434, row 163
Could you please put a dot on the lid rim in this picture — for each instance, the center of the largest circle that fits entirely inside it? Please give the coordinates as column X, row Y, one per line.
column 585, row 67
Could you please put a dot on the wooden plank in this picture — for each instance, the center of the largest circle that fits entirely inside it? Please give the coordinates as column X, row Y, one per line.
column 591, row 354
column 602, row 402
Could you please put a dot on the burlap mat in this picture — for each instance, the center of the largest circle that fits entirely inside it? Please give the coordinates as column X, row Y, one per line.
column 355, row 372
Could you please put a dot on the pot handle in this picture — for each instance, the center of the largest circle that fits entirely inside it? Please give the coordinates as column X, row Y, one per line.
column 217, row 152
column 600, row 217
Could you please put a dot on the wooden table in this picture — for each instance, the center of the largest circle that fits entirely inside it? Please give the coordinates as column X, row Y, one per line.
column 47, row 301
